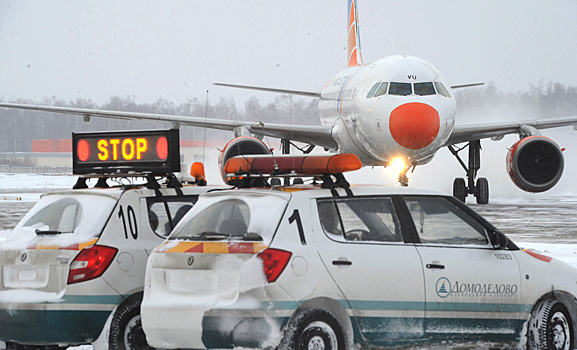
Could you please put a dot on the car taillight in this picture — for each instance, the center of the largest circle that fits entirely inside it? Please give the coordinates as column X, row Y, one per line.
column 91, row 263
column 274, row 262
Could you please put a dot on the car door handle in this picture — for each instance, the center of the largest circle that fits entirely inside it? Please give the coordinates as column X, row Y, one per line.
column 342, row 262
column 435, row 266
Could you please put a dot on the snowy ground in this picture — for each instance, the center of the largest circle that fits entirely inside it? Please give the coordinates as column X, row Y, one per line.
column 545, row 223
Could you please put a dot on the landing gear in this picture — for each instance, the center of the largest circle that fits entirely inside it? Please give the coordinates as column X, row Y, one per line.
column 285, row 146
column 460, row 189
column 403, row 179
column 480, row 189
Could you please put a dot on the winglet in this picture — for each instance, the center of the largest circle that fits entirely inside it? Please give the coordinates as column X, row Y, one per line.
column 354, row 37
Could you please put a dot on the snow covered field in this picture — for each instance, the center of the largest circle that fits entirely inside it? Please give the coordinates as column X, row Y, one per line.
column 544, row 222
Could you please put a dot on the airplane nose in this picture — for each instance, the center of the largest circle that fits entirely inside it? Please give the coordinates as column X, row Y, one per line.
column 414, row 125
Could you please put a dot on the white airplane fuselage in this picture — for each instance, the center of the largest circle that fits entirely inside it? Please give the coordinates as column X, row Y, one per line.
column 410, row 117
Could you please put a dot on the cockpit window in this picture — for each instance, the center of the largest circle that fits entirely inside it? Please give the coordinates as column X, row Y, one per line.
column 406, row 89
column 401, row 89
column 382, row 89
column 424, row 89
column 373, row 90
column 441, row 89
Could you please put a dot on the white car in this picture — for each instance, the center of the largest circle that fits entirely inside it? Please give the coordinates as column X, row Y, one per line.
column 73, row 269
column 305, row 267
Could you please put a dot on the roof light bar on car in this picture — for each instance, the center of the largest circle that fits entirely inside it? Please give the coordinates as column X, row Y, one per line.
column 289, row 165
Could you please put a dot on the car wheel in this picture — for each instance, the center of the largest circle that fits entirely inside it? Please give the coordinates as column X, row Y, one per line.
column 550, row 327
column 126, row 331
column 314, row 329
column 459, row 189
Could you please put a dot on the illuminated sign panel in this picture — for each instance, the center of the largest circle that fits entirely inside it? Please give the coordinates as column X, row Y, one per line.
column 150, row 151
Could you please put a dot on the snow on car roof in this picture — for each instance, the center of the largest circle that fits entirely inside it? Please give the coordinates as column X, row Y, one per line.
column 315, row 191
column 114, row 192
column 117, row 192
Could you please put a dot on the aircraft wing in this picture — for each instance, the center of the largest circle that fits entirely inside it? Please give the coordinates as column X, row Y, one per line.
column 465, row 133
column 316, row 135
column 278, row 91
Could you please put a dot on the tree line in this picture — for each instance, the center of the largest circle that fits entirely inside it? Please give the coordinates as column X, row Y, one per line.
column 474, row 105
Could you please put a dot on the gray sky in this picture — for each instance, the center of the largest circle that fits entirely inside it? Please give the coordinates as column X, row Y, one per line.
column 176, row 49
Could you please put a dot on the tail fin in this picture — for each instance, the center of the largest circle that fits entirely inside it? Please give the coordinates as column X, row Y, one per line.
column 354, row 40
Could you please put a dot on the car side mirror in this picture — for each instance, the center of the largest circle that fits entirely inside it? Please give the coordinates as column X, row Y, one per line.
column 499, row 240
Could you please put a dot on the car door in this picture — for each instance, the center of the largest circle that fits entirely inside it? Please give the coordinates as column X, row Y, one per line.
column 360, row 240
column 472, row 289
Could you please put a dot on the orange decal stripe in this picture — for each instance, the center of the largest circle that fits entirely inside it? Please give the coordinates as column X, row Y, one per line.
column 214, row 247
column 183, row 247
column 78, row 246
column 87, row 244
column 536, row 255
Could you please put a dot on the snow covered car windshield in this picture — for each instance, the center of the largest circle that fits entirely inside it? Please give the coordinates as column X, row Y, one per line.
column 246, row 216
column 83, row 215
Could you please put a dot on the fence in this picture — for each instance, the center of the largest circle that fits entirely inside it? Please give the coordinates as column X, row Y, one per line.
column 35, row 170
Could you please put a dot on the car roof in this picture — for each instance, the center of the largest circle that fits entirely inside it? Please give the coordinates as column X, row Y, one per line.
column 140, row 191
column 315, row 191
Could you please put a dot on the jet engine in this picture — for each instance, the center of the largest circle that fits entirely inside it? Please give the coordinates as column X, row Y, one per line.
column 242, row 145
column 535, row 163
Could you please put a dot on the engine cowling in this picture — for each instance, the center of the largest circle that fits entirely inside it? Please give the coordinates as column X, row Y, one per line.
column 240, row 146
column 535, row 163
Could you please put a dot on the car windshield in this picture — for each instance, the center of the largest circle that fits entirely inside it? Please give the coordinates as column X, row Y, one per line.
column 245, row 217
column 81, row 215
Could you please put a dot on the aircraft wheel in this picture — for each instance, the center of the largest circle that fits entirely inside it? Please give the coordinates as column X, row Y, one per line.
column 459, row 189
column 482, row 191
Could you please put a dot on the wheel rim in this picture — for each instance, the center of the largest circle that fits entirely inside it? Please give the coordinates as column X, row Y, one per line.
column 560, row 332
column 318, row 342
column 134, row 337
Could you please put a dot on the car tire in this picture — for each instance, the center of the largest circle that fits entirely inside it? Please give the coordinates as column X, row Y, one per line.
column 459, row 189
column 126, row 331
column 482, row 191
column 314, row 329
column 550, row 327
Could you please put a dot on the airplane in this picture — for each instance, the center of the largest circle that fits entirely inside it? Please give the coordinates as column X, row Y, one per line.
column 398, row 111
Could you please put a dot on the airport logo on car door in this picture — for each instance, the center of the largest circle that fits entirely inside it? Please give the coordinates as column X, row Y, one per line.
column 443, row 287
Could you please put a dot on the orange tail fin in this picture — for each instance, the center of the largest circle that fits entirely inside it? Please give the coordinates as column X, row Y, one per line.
column 354, row 38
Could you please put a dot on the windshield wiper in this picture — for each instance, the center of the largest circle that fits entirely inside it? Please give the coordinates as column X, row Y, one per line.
column 209, row 235
column 252, row 236
column 50, row 232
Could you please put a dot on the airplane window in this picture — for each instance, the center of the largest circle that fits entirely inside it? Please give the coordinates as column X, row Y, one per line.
column 373, row 89
column 424, row 89
column 382, row 90
column 441, row 89
column 402, row 89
